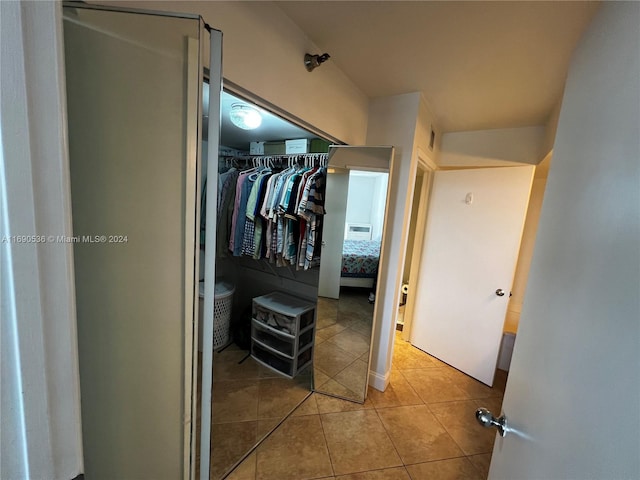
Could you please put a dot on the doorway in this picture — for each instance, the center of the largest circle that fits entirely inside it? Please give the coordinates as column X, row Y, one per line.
column 452, row 299
column 417, row 227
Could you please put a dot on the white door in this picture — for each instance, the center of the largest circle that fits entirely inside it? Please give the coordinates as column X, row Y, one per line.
column 134, row 103
column 336, row 196
column 473, row 237
column 573, row 395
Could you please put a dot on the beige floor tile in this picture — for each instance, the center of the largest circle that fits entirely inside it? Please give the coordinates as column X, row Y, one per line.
column 458, row 419
column 398, row 393
column 407, row 357
column 363, row 327
column 398, row 473
column 434, row 385
column 226, row 366
column 277, row 397
column 266, row 425
column 295, row 451
column 246, row 470
column 308, row 407
column 235, row 401
column 493, row 404
column 229, row 442
column 482, row 463
column 266, row 372
column 351, row 341
column 471, row 386
column 417, row 435
column 454, row 469
column 358, row 442
column 330, row 404
column 329, row 330
column 354, row 377
column 319, row 378
column 331, row 359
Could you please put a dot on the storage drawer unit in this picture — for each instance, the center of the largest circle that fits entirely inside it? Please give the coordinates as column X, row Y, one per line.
column 282, row 332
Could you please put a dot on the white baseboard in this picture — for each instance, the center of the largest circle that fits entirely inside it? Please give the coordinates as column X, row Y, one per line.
column 379, row 382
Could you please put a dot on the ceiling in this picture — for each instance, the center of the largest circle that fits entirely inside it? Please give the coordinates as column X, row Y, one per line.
column 480, row 65
column 272, row 128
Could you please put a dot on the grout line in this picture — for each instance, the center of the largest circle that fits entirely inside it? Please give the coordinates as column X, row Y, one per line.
column 390, row 437
column 326, row 444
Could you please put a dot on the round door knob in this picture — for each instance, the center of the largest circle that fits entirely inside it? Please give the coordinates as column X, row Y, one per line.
column 500, row 292
column 487, row 420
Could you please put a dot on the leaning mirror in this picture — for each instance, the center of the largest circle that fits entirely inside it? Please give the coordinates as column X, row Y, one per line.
column 355, row 204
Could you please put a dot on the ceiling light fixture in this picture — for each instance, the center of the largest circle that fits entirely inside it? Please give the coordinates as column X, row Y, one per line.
column 245, row 117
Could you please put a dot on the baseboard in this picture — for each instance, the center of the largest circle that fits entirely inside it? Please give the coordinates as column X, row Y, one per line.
column 379, row 382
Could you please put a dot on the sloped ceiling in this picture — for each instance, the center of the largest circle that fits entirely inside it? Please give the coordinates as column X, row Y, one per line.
column 480, row 65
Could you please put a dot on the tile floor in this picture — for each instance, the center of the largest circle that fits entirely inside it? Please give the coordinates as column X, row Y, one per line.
column 343, row 336
column 248, row 401
column 421, row 427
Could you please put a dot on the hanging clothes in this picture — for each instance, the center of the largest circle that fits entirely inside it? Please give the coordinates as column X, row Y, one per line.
column 276, row 215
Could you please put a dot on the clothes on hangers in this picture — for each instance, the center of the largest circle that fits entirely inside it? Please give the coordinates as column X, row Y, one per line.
column 275, row 215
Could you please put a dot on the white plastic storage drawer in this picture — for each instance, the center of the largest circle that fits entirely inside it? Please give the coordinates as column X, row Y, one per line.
column 282, row 332
column 272, row 338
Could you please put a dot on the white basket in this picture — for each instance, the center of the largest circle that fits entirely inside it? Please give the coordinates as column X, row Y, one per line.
column 222, row 318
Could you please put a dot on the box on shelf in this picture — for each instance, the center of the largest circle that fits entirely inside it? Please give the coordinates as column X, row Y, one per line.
column 256, row 148
column 274, row 148
column 319, row 146
column 297, row 146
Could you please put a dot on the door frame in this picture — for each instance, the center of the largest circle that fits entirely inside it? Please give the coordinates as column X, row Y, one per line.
column 427, row 167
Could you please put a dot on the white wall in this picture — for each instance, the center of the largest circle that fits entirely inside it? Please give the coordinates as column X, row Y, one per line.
column 378, row 205
column 394, row 121
column 359, row 201
column 367, row 200
column 498, row 147
column 576, row 352
column 527, row 245
column 40, row 388
column 263, row 52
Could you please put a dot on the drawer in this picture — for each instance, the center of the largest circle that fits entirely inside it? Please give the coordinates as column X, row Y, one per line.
column 307, row 319
column 305, row 339
column 272, row 338
column 276, row 321
column 271, row 359
column 304, row 359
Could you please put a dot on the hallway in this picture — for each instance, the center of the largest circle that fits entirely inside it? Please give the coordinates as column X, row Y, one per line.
column 421, row 427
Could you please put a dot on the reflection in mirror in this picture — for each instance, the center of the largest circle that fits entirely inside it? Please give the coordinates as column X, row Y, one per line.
column 352, row 236
column 263, row 337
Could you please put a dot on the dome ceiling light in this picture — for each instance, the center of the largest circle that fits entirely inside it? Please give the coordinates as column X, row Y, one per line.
column 245, row 117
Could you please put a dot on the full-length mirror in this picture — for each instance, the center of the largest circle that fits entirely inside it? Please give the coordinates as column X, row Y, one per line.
column 266, row 274
column 356, row 197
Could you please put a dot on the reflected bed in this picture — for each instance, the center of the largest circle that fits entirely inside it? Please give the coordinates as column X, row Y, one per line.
column 360, row 260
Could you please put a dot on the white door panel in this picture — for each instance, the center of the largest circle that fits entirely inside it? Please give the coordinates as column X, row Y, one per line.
column 472, row 240
column 133, row 102
column 573, row 394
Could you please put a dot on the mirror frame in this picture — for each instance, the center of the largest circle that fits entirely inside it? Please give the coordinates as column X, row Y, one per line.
column 374, row 159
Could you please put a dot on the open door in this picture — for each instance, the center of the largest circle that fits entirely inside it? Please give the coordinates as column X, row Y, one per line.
column 134, row 93
column 473, row 233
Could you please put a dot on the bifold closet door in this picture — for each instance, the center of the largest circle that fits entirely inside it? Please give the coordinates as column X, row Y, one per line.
column 134, row 103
